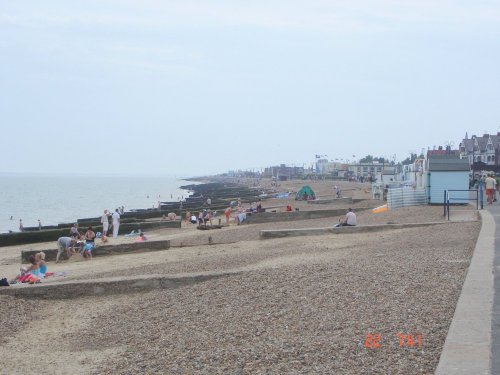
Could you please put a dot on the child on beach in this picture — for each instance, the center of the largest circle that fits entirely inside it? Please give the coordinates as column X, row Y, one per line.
column 42, row 266
column 87, row 250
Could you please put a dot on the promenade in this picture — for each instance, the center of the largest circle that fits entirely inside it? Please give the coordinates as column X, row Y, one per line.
column 473, row 342
column 495, row 332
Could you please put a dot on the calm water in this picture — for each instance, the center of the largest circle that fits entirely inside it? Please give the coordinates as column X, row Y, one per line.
column 59, row 199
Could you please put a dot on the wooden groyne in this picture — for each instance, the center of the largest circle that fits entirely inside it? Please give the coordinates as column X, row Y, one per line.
column 21, row 238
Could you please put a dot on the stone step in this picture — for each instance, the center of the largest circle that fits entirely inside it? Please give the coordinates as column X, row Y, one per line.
column 268, row 234
column 109, row 286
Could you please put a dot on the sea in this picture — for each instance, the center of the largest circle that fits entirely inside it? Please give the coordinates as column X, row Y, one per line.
column 63, row 199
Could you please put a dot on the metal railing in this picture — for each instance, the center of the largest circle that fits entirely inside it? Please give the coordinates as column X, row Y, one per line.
column 447, row 199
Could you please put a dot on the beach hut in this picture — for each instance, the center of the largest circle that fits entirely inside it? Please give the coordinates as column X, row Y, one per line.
column 305, row 193
column 447, row 172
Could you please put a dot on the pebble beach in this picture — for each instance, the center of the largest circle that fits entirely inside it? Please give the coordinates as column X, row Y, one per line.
column 302, row 305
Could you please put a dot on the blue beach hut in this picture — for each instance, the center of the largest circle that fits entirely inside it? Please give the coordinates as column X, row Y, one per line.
column 447, row 172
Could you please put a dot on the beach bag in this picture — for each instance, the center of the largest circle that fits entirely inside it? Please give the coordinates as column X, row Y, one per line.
column 4, row 282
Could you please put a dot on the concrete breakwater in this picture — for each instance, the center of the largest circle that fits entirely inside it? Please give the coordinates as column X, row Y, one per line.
column 270, row 217
column 331, row 200
column 50, row 254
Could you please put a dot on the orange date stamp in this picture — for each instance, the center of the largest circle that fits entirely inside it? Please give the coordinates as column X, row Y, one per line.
column 409, row 340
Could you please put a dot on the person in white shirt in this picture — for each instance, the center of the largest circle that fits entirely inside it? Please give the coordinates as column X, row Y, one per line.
column 490, row 188
column 105, row 223
column 116, row 223
column 350, row 219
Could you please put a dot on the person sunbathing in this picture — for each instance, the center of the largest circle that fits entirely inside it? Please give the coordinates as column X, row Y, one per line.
column 142, row 237
column 28, row 273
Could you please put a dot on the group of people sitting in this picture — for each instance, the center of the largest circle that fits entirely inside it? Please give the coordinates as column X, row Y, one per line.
column 204, row 216
column 33, row 273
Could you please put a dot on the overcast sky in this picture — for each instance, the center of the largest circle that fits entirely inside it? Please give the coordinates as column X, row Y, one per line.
column 197, row 87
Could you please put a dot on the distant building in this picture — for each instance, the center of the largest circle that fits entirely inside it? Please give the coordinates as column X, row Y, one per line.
column 243, row 174
column 336, row 169
column 481, row 150
column 441, row 151
column 283, row 172
column 414, row 173
column 375, row 170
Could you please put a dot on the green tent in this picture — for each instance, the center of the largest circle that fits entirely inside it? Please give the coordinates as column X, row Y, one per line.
column 305, row 194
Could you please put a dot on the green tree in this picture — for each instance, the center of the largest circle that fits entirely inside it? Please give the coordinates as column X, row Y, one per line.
column 371, row 159
column 367, row 159
column 412, row 158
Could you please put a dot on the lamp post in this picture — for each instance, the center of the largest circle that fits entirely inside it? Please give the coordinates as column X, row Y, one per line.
column 473, row 155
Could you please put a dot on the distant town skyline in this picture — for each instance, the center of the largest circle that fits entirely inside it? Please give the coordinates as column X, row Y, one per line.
column 196, row 88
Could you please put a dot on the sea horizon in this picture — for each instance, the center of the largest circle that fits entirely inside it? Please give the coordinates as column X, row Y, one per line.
column 179, row 176
column 64, row 198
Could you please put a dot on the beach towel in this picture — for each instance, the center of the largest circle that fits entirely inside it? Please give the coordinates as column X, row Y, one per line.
column 29, row 278
column 133, row 234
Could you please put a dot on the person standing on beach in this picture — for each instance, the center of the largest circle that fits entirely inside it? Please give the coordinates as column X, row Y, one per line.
column 74, row 232
column 227, row 213
column 90, row 236
column 21, row 226
column 39, row 225
column 116, row 223
column 105, row 223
